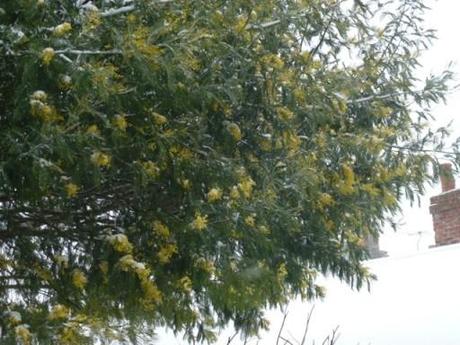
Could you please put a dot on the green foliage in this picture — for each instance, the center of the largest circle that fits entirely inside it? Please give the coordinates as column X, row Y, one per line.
column 190, row 163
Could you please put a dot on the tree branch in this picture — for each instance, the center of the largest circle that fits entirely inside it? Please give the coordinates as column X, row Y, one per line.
column 89, row 52
column 307, row 325
column 281, row 329
column 126, row 9
column 115, row 11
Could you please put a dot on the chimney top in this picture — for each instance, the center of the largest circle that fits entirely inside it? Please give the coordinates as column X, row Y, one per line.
column 447, row 178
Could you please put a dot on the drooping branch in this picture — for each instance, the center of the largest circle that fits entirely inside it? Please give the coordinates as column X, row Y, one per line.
column 369, row 98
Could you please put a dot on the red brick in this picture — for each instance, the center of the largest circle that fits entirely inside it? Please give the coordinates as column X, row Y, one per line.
column 445, row 209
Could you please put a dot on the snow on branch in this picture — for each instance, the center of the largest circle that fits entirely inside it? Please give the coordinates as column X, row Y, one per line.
column 89, row 52
column 125, row 9
column 115, row 11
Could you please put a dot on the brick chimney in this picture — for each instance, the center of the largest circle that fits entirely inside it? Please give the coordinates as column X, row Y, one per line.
column 445, row 209
column 447, row 178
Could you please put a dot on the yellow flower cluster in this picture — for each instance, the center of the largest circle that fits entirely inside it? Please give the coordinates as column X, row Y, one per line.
column 120, row 122
column 71, row 189
column 325, row 200
column 250, row 221
column 14, row 318
column 234, row 131
column 389, row 198
column 58, row 312
column 47, row 55
column 291, row 141
column 370, row 189
column 353, row 238
column 340, row 105
column 240, row 24
column 39, row 95
column 92, row 20
column 200, row 222
column 151, row 169
column 161, row 229
column 272, row 61
column 65, row 82
column 62, row 29
column 128, row 264
column 265, row 143
column 329, row 224
column 185, row 284
column 234, row 193
column 152, row 294
column 140, row 39
column 68, row 336
column 79, row 279
column 159, row 119
column 284, row 113
column 191, row 62
column 181, row 152
column 205, row 265
column 100, row 159
column 120, row 243
column 40, row 107
column 166, row 252
column 263, row 230
column 23, row 334
column 299, row 94
column 185, row 183
column 93, row 130
column 281, row 272
column 246, row 186
column 347, row 186
column 214, row 194
column 384, row 111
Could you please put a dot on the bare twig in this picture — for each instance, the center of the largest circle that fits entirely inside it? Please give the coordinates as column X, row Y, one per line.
column 281, row 328
column 307, row 325
column 65, row 58
column 335, row 335
column 286, row 341
column 230, row 339
column 332, row 339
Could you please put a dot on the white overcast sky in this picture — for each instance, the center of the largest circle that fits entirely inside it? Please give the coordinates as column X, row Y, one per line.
column 416, row 231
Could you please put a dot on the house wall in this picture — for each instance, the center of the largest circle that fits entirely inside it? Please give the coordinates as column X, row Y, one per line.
column 445, row 209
